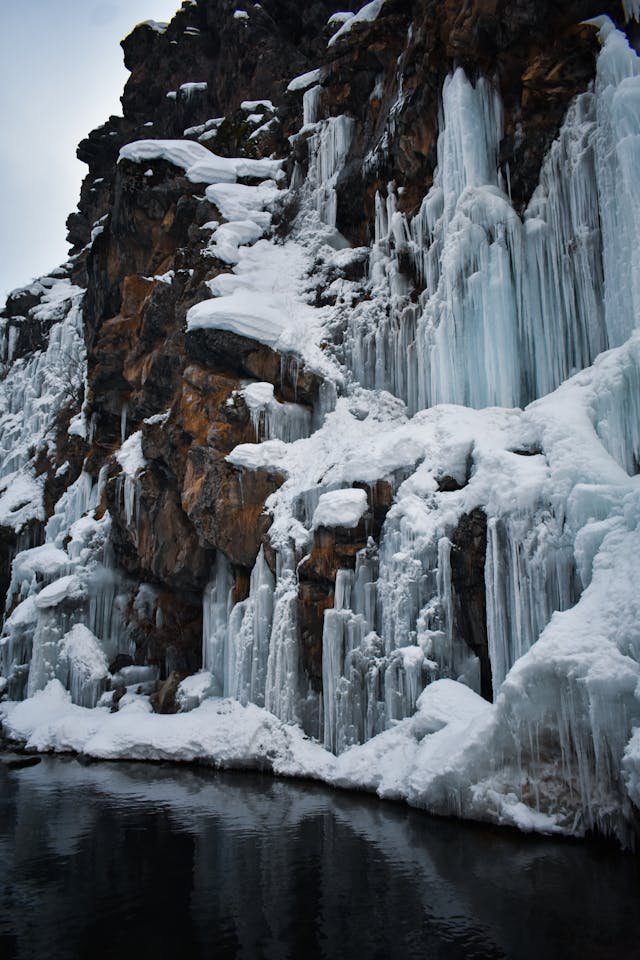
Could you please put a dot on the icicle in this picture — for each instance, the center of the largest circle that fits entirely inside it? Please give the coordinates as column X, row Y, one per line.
column 529, row 573
column 509, row 309
column 282, row 696
column 273, row 420
column 246, row 639
column 311, row 104
column 216, row 605
column 328, row 151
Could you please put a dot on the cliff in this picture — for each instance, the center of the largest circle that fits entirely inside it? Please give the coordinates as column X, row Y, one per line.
column 302, row 424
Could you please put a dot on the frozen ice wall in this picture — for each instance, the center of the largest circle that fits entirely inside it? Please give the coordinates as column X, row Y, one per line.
column 62, row 617
column 510, row 307
column 496, row 405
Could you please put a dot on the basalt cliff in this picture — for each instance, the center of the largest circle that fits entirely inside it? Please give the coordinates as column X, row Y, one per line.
column 321, row 452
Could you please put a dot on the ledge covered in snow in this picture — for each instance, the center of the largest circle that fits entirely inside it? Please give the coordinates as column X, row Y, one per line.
column 199, row 164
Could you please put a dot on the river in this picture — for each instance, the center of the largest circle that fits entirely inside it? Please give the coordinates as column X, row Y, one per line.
column 137, row 860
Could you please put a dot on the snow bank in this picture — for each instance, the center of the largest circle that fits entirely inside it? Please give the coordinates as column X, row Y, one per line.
column 220, row 732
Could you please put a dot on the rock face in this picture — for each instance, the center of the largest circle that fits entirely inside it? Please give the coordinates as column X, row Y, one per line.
column 144, row 267
column 166, row 469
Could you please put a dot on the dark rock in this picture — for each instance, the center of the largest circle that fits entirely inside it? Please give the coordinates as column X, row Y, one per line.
column 122, row 660
column 18, row 761
column 164, row 701
column 468, row 553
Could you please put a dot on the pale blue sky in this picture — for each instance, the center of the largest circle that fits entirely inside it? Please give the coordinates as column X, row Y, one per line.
column 61, row 75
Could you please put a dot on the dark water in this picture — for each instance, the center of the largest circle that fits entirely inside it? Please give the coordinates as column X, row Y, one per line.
column 113, row 861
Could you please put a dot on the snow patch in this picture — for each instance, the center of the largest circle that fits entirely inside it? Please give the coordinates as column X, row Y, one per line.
column 341, row 508
column 366, row 14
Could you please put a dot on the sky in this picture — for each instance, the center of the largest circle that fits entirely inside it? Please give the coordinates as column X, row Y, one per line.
column 61, row 75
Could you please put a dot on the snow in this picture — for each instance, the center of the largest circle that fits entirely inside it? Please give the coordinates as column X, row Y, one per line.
column 367, row 14
column 264, row 128
column 221, row 732
column 45, row 561
column 130, row 456
column 242, row 313
column 227, row 238
column 305, row 80
column 193, row 690
column 188, row 89
column 250, row 106
column 24, row 614
column 199, row 164
column 262, row 300
column 155, row 25
column 341, row 508
column 21, row 500
column 272, row 419
column 244, row 209
column 339, row 17
column 86, row 661
column 66, row 588
column 209, row 126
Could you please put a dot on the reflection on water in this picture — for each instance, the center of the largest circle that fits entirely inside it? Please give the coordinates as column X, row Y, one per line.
column 112, row 861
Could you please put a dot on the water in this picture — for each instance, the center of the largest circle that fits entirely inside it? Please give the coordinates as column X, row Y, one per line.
column 130, row 860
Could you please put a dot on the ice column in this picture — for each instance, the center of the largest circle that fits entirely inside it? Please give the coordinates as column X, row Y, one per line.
column 247, row 638
column 617, row 165
column 216, row 605
column 328, row 151
column 282, row 693
column 529, row 573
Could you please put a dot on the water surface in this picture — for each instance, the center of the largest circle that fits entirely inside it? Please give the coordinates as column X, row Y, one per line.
column 132, row 860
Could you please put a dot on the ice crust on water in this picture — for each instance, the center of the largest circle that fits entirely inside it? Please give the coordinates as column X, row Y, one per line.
column 511, row 308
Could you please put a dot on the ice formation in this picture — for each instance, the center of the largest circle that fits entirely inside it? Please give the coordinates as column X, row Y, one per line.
column 504, row 393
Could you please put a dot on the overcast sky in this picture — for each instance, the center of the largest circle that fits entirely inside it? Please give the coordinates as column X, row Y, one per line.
column 61, row 75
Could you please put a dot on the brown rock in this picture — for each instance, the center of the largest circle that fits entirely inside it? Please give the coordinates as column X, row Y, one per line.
column 226, row 504
column 164, row 701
